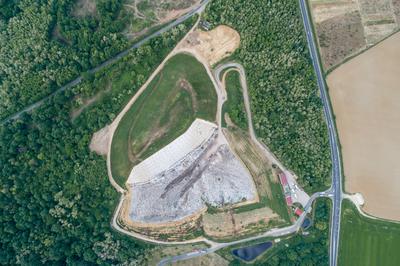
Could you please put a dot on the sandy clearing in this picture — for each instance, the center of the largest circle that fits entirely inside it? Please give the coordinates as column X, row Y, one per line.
column 100, row 140
column 365, row 95
column 213, row 45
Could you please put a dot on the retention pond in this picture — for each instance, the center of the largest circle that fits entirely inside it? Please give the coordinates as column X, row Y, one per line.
column 251, row 252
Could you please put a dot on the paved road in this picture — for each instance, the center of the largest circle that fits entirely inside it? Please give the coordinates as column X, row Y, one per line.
column 336, row 164
column 221, row 87
column 115, row 58
column 276, row 232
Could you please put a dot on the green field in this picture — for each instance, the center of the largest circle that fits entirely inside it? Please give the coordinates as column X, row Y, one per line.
column 234, row 106
column 181, row 92
column 365, row 241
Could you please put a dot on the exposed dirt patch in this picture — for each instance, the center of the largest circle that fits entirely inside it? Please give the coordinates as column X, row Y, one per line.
column 142, row 15
column 56, row 35
column 85, row 102
column 212, row 259
column 184, row 84
column 100, row 141
column 85, row 8
column 228, row 224
column 396, row 10
column 176, row 9
column 213, row 45
column 345, row 27
column 366, row 99
column 253, row 159
column 325, row 10
column 340, row 37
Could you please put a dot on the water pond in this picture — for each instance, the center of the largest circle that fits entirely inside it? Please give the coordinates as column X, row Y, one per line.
column 306, row 223
column 251, row 252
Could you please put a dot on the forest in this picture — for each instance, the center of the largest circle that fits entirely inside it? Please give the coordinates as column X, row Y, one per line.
column 43, row 46
column 56, row 200
column 285, row 100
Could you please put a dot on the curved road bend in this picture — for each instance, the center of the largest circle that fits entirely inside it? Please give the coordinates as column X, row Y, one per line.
column 275, row 232
column 110, row 61
column 243, row 82
column 336, row 187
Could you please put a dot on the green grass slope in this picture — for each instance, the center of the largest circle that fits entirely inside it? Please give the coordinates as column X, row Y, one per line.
column 234, row 106
column 181, row 92
column 365, row 241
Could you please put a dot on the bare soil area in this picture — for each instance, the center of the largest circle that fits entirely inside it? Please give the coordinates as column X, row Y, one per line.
column 228, row 224
column 100, row 141
column 213, row 45
column 365, row 95
column 212, row 259
column 345, row 27
column 142, row 15
column 340, row 37
column 84, row 8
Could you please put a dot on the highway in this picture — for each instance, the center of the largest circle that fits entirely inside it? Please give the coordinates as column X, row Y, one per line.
column 336, row 187
column 110, row 61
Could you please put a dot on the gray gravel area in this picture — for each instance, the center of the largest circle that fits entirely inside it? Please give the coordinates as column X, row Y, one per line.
column 209, row 175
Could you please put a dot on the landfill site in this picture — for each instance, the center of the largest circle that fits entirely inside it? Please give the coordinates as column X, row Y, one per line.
column 196, row 170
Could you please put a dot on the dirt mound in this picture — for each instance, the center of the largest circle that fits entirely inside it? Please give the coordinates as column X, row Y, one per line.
column 213, row 45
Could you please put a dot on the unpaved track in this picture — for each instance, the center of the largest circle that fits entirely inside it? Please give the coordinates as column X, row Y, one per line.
column 197, row 10
column 232, row 66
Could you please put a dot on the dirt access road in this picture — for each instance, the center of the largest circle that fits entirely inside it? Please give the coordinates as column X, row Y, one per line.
column 232, row 66
column 366, row 98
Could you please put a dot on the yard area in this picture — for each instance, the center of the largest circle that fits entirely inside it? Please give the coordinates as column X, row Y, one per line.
column 181, row 92
column 365, row 241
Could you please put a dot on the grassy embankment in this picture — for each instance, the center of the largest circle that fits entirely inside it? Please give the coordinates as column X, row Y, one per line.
column 181, row 92
column 294, row 249
column 365, row 241
column 234, row 106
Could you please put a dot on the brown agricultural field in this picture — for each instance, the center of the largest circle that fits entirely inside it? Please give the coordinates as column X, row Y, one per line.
column 346, row 27
column 365, row 94
column 339, row 37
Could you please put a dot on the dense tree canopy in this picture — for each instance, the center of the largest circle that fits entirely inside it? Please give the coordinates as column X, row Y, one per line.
column 285, row 102
column 43, row 46
column 56, row 200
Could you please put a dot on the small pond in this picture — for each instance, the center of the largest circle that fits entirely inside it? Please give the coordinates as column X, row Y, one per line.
column 251, row 252
column 306, row 223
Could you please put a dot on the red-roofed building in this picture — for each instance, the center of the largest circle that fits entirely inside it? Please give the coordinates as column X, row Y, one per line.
column 298, row 211
column 283, row 179
column 289, row 201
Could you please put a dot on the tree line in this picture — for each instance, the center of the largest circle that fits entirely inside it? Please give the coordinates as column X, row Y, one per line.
column 43, row 46
column 56, row 200
column 285, row 102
